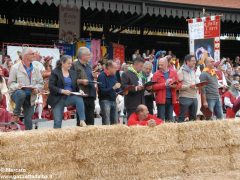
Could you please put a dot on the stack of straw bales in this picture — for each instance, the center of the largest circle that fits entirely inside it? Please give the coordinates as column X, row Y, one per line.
column 205, row 146
column 39, row 152
column 170, row 151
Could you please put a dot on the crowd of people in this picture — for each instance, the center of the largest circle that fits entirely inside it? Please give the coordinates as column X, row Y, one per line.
column 152, row 90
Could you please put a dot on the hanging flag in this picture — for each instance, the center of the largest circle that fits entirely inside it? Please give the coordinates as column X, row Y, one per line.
column 69, row 23
column 204, row 37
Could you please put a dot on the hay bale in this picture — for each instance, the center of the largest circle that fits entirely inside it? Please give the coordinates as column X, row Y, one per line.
column 36, row 162
column 62, row 172
column 161, row 164
column 112, row 170
column 203, row 135
column 121, row 152
column 152, row 164
column 103, row 141
column 229, row 175
column 159, row 169
column 159, row 139
column 37, row 149
column 119, row 177
column 121, row 149
column 65, row 174
column 108, row 147
column 98, row 160
column 53, row 171
column 174, row 155
column 31, row 137
column 234, row 132
column 235, row 157
column 103, row 166
column 207, row 160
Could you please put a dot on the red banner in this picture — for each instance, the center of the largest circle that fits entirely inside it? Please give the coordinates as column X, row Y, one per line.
column 212, row 28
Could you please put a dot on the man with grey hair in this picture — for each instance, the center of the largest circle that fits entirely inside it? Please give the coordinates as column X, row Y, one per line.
column 148, row 94
column 85, row 79
column 25, row 82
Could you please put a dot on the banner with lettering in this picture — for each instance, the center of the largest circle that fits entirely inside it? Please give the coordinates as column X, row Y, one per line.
column 69, row 23
column 204, row 37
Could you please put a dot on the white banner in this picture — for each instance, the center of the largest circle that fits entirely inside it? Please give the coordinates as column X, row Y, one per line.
column 204, row 37
column 44, row 52
column 196, row 30
column 69, row 23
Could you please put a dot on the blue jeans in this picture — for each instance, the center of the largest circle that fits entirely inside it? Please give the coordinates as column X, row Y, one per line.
column 165, row 111
column 109, row 112
column 188, row 105
column 215, row 105
column 71, row 100
column 23, row 101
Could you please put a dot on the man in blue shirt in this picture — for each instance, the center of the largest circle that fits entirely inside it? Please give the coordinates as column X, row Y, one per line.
column 166, row 77
column 25, row 82
column 107, row 93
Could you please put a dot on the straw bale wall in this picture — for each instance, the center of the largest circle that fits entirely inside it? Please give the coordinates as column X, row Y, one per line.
column 194, row 150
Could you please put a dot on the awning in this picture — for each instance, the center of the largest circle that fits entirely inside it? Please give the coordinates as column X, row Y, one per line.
column 140, row 8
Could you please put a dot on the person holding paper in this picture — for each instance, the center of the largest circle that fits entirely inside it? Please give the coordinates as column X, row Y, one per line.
column 188, row 92
column 107, row 93
column 165, row 89
column 134, row 77
column 86, row 82
column 148, row 94
column 25, row 82
column 62, row 84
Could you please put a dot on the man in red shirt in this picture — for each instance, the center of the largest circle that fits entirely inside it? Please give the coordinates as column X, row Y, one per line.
column 230, row 98
column 143, row 118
